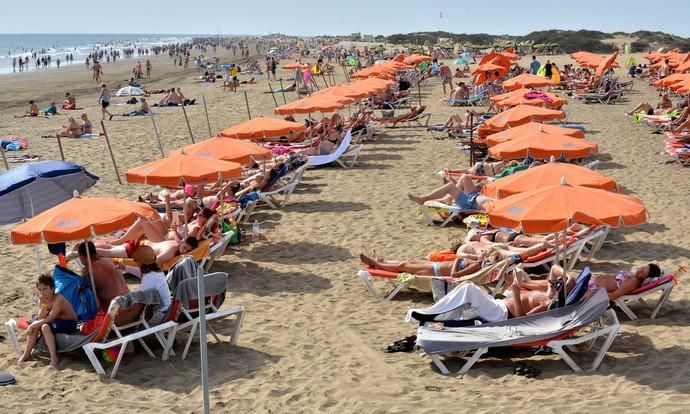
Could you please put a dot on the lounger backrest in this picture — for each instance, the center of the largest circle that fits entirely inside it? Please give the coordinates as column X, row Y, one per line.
column 214, row 284
column 581, row 287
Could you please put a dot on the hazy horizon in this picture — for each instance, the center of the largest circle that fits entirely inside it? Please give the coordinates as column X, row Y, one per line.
column 217, row 17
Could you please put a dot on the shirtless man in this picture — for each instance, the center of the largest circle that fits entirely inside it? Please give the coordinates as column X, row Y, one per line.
column 34, row 110
column 55, row 315
column 108, row 279
column 164, row 250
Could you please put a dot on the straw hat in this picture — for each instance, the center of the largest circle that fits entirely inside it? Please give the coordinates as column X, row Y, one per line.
column 144, row 255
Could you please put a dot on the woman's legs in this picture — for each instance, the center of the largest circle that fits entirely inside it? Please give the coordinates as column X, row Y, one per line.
column 417, row 268
column 153, row 230
column 643, row 107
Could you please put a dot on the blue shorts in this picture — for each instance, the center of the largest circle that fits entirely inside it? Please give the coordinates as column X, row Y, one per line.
column 61, row 326
column 467, row 201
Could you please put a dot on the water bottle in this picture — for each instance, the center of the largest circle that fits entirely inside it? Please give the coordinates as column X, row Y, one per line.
column 255, row 229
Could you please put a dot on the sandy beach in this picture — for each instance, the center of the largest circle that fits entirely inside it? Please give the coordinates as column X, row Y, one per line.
column 313, row 338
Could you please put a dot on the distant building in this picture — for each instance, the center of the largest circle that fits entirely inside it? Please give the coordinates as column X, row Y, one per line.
column 356, row 36
column 368, row 38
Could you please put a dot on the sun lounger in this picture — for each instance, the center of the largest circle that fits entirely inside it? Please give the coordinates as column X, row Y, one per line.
column 343, row 152
column 556, row 329
column 200, row 254
column 283, row 189
column 434, row 211
column 415, row 118
column 483, row 277
column 663, row 285
column 474, row 100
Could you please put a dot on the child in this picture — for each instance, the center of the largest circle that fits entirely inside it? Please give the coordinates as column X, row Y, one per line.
column 55, row 315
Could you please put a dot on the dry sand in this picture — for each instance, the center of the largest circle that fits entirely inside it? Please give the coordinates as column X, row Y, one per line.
column 313, row 338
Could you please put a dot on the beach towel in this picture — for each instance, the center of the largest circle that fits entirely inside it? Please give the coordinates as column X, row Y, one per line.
column 538, row 95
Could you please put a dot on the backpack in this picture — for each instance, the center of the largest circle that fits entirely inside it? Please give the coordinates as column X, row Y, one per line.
column 78, row 292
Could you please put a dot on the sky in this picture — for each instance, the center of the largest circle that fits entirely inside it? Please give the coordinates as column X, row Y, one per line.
column 261, row 17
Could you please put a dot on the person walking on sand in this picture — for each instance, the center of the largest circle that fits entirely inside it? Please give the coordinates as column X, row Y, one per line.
column 97, row 71
column 104, row 100
column 148, row 69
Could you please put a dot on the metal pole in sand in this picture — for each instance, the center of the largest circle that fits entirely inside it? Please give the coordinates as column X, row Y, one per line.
column 419, row 93
column 191, row 135
column 4, row 158
column 62, row 154
column 270, row 88
column 110, row 150
column 201, row 293
column 471, row 139
column 246, row 101
column 158, row 138
column 282, row 90
column 208, row 121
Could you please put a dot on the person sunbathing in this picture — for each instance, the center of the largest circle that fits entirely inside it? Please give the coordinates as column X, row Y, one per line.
column 55, row 315
column 86, row 125
column 664, row 106
column 164, row 250
column 70, row 103
column 464, row 194
column 328, row 143
column 460, row 93
column 453, row 269
column 616, row 285
column 107, row 278
column 32, row 111
column 143, row 109
column 162, row 230
column 72, row 129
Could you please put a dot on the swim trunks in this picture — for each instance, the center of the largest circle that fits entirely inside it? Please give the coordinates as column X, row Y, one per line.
column 131, row 246
column 467, row 201
column 62, row 326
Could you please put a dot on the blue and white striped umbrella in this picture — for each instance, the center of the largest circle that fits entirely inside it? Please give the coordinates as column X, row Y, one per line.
column 32, row 188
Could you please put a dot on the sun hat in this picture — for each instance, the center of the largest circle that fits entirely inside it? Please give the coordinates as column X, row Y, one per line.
column 144, row 255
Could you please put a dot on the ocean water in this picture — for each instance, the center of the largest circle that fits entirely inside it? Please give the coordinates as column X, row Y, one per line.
column 79, row 45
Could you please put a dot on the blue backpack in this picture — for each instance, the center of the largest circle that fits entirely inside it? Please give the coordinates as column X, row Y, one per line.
column 78, row 292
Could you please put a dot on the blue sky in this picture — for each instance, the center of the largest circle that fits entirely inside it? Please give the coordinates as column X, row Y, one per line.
column 337, row 17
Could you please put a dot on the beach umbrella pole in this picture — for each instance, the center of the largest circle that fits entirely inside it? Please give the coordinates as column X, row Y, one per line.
column 282, row 90
column 203, row 351
column 324, row 80
column 270, row 88
column 88, row 264
column 471, row 139
column 419, row 93
column 62, row 154
column 246, row 101
column 4, row 158
column 191, row 135
column 158, row 138
column 208, row 121
column 110, row 151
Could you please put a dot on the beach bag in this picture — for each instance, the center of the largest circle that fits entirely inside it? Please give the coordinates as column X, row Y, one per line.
column 236, row 232
column 78, row 292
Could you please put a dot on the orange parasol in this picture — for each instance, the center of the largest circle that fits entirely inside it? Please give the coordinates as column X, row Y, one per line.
column 683, row 67
column 528, row 97
column 489, row 67
column 551, row 209
column 314, row 103
column 671, row 79
column 180, row 168
column 226, row 149
column 261, row 127
column 374, row 83
column 605, row 64
column 347, row 90
column 81, row 218
column 415, row 59
column 530, row 128
column 496, row 59
column 541, row 145
column 681, row 87
column 518, row 115
column 526, row 80
column 546, row 175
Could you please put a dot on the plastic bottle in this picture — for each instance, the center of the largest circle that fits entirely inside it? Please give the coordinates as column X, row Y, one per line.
column 255, row 229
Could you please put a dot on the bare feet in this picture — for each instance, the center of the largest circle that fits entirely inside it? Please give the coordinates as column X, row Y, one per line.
column 24, row 358
column 367, row 260
column 54, row 363
column 415, row 199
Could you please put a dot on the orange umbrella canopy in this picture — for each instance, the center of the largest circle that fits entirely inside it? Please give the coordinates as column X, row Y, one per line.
column 262, row 127
column 551, row 209
column 526, row 80
column 497, row 59
column 226, row 149
column 180, row 168
column 489, row 67
column 605, row 64
column 81, row 218
column 518, row 115
column 541, row 145
column 295, row 66
column 528, row 97
column 348, row 90
column 546, row 175
column 683, row 67
column 314, row 103
column 530, row 128
column 415, row 59
column 671, row 79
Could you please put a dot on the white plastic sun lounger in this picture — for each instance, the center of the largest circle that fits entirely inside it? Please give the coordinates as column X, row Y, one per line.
column 556, row 329
column 432, row 207
column 284, row 190
column 344, row 150
column 663, row 285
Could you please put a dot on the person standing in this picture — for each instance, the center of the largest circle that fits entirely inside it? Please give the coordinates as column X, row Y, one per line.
column 97, row 71
column 14, row 64
column 535, row 65
column 446, row 77
column 148, row 69
column 104, row 100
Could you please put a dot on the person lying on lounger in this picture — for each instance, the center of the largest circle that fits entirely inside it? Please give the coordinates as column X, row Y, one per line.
column 616, row 285
column 460, row 93
column 164, row 250
column 464, row 194
column 162, row 230
column 456, row 268
column 55, row 315
column 328, row 143
column 664, row 106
